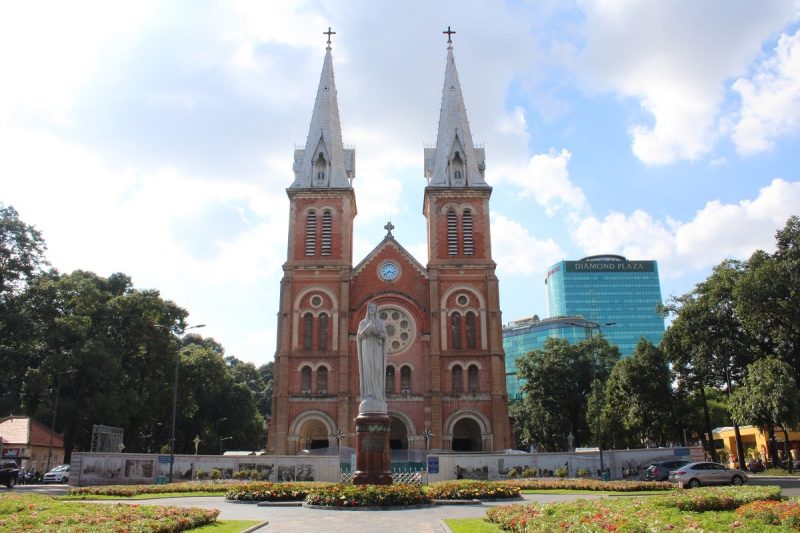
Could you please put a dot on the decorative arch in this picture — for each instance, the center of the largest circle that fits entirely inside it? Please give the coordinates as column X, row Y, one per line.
column 464, row 363
column 480, row 312
column 405, row 419
column 299, row 423
column 333, row 313
column 477, row 417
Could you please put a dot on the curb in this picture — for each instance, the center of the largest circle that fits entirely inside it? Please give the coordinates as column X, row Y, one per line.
column 255, row 527
column 279, row 504
column 456, row 502
column 445, row 527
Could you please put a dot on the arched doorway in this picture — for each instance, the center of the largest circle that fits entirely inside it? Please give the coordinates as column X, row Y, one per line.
column 467, row 436
column 313, row 435
column 398, row 434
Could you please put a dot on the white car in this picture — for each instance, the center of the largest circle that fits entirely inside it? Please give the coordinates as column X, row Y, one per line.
column 696, row 474
column 59, row 474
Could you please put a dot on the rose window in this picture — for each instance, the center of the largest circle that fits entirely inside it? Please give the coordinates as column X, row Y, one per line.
column 399, row 328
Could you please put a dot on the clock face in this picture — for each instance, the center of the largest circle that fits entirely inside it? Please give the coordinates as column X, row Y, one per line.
column 389, row 271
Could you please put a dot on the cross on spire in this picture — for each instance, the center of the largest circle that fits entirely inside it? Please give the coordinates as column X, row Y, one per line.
column 449, row 33
column 329, row 33
column 389, row 227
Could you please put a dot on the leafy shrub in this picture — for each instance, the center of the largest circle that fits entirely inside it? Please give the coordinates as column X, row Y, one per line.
column 260, row 491
column 582, row 472
column 202, row 474
column 590, row 484
column 717, row 498
column 529, row 472
column 241, row 474
column 345, row 495
column 561, row 472
column 776, row 513
column 513, row 473
column 216, row 474
column 469, row 490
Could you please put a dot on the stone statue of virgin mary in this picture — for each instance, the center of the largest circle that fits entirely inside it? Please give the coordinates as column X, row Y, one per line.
column 371, row 343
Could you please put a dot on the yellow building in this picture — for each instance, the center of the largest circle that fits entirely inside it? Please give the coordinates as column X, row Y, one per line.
column 754, row 441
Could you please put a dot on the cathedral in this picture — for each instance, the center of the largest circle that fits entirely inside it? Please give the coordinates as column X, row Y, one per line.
column 445, row 375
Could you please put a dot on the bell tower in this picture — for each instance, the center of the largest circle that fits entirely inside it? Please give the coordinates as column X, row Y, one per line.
column 464, row 295
column 311, row 360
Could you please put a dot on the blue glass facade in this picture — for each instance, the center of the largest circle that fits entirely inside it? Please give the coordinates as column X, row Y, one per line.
column 609, row 289
column 526, row 335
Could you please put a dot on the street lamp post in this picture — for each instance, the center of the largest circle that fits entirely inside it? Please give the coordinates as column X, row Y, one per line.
column 175, row 396
column 426, row 434
column 55, row 410
column 591, row 326
column 221, row 440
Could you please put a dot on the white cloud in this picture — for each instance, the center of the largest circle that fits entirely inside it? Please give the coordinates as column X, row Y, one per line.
column 716, row 232
column 771, row 99
column 546, row 179
column 516, row 251
column 674, row 58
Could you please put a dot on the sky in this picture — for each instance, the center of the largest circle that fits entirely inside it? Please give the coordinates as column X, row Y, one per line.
column 157, row 138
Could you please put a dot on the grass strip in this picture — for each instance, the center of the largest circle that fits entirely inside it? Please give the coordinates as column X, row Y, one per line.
column 227, row 526
column 472, row 525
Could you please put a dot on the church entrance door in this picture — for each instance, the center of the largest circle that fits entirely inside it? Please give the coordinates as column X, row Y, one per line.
column 467, row 436
column 314, row 435
column 398, row 435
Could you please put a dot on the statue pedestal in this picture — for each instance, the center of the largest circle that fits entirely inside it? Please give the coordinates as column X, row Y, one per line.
column 373, row 460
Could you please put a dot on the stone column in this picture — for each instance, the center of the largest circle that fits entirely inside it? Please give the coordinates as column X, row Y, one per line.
column 373, row 459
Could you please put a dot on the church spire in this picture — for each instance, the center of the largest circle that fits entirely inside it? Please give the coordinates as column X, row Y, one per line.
column 454, row 162
column 324, row 162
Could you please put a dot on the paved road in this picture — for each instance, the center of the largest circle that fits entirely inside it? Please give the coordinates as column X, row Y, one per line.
column 790, row 486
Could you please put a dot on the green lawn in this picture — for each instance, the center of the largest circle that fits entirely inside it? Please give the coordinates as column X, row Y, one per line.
column 472, row 525
column 226, row 526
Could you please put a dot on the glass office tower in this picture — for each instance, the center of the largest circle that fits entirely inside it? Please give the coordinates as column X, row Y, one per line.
column 609, row 289
column 528, row 334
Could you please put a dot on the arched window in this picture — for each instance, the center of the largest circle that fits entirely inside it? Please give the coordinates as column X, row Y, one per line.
column 455, row 330
column 452, row 232
column 466, row 232
column 305, row 380
column 308, row 331
column 472, row 334
column 322, row 380
column 472, row 379
column 325, row 240
column 405, row 380
column 457, row 375
column 322, row 334
column 389, row 379
column 311, row 233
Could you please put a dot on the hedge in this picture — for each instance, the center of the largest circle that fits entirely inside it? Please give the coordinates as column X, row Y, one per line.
column 717, row 498
column 589, row 484
column 264, row 491
column 126, row 491
column 471, row 490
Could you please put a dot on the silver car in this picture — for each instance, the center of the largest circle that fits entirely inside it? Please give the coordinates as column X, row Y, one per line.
column 696, row 474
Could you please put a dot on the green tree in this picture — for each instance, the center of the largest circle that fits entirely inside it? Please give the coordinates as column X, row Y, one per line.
column 768, row 398
column 558, row 380
column 768, row 299
column 638, row 396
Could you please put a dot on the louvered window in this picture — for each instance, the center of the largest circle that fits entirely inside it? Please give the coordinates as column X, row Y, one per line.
column 308, row 331
column 455, row 330
column 322, row 334
column 466, row 225
column 311, row 233
column 452, row 232
column 389, row 379
column 472, row 378
column 322, row 380
column 325, row 241
column 457, row 375
column 405, row 380
column 472, row 337
column 305, row 380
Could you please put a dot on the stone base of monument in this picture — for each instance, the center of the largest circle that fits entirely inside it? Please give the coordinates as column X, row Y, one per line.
column 373, row 459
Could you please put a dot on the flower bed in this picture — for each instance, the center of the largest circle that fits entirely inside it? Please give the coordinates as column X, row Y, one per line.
column 717, row 498
column 472, row 490
column 710, row 511
column 272, row 492
column 589, row 484
column 345, row 495
column 27, row 512
column 784, row 513
column 127, row 491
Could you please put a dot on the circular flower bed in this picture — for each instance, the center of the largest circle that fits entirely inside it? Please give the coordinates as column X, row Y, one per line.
column 368, row 496
column 272, row 492
column 472, row 490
